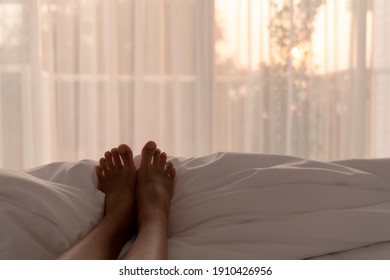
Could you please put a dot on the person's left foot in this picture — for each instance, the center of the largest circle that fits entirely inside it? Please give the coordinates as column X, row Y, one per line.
column 117, row 176
column 156, row 180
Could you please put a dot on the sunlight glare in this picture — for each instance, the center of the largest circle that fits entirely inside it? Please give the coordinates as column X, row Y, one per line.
column 296, row 53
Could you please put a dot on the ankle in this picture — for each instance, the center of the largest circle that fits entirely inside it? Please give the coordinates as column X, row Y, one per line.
column 153, row 218
column 156, row 227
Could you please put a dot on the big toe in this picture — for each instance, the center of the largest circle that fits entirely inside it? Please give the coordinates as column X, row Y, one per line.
column 148, row 153
column 126, row 154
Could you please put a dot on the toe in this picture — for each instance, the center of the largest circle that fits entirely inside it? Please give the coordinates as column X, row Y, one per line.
column 108, row 157
column 126, row 154
column 148, row 153
column 169, row 167
column 172, row 174
column 156, row 158
column 103, row 165
column 99, row 172
column 163, row 159
column 100, row 175
column 116, row 158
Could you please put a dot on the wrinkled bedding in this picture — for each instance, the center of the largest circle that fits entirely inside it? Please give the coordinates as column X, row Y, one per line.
column 225, row 206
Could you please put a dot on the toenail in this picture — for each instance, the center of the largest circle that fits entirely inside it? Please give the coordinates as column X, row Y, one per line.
column 122, row 149
column 151, row 145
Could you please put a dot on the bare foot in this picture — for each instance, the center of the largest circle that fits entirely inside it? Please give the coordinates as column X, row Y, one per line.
column 117, row 179
column 154, row 192
column 155, row 187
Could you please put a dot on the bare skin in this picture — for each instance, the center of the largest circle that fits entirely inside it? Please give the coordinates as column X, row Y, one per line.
column 125, row 201
column 117, row 180
column 154, row 192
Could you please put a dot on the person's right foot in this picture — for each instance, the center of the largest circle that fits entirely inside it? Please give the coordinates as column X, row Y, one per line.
column 156, row 177
column 117, row 178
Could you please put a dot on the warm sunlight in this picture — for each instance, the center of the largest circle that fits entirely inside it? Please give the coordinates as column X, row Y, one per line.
column 297, row 53
column 10, row 21
column 246, row 40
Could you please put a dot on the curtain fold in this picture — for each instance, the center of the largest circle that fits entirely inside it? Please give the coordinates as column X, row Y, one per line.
column 297, row 77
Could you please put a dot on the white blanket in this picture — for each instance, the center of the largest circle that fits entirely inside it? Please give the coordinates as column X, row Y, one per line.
column 225, row 206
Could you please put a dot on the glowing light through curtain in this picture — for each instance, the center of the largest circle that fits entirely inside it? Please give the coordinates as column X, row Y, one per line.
column 305, row 78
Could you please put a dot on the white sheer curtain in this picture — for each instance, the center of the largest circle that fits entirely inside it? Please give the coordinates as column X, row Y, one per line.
column 298, row 77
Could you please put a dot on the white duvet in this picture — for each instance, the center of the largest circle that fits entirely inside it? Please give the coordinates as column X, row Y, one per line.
column 225, row 206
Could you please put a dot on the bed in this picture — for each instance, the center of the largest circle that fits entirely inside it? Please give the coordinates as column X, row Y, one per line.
column 225, row 206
